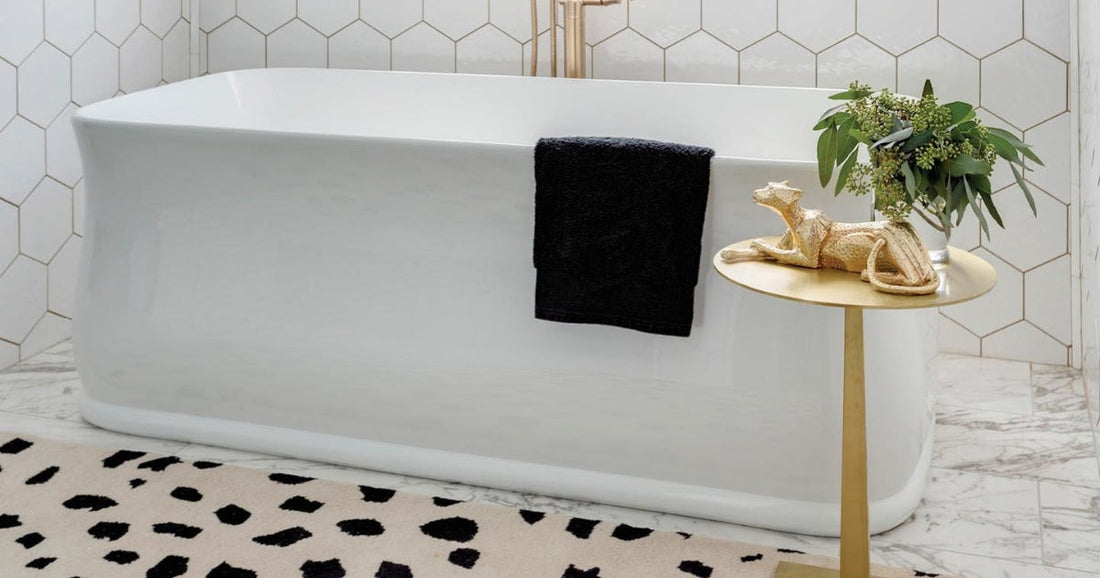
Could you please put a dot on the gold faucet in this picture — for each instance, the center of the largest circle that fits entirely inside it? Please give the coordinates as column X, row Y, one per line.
column 574, row 36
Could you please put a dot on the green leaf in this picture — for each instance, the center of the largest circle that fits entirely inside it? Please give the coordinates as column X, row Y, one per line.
column 828, row 115
column 846, row 143
column 979, row 183
column 845, row 170
column 894, row 137
column 918, row 140
column 860, row 136
column 960, row 111
column 1004, row 149
column 826, row 155
column 974, row 207
column 851, row 95
column 967, row 165
column 1023, row 186
column 927, row 91
column 987, row 201
column 910, row 181
column 1020, row 145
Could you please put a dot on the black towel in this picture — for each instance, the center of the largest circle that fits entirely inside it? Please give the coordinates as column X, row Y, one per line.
column 618, row 224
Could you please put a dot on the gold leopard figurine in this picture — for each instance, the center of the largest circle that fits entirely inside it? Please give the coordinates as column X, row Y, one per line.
column 889, row 255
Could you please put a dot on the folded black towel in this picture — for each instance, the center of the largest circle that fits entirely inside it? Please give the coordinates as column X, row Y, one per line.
column 617, row 231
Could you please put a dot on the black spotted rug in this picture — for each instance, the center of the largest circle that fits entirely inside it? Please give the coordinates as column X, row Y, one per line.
column 69, row 510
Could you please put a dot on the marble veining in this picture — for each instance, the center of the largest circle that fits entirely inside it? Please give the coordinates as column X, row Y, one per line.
column 1014, row 492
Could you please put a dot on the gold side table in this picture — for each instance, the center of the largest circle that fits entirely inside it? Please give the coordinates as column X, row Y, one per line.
column 964, row 278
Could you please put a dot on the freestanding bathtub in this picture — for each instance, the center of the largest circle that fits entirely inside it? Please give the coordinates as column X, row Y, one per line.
column 336, row 265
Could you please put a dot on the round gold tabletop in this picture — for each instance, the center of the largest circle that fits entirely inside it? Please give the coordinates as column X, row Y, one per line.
column 963, row 278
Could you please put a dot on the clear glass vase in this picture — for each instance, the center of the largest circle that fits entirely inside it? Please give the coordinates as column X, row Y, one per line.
column 934, row 239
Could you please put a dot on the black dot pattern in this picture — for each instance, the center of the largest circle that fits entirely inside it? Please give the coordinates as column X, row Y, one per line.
column 121, row 457
column 109, row 530
column 15, row 446
column 122, row 557
column 455, row 529
column 323, row 569
column 581, row 527
column 378, row 495
column 187, row 494
column 464, row 557
column 31, row 540
column 40, row 563
column 233, row 515
column 169, row 567
column 696, row 568
column 225, row 570
column 393, row 570
column 283, row 538
column 361, row 527
column 43, row 476
column 301, row 504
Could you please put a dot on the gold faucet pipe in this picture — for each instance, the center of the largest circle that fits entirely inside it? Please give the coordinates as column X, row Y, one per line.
column 534, row 37
column 574, row 38
column 553, row 37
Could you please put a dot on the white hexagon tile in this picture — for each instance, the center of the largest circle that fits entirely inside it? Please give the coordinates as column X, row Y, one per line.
column 1002, row 23
column 328, row 16
column 628, row 56
column 778, row 61
column 68, row 23
column 359, row 46
column 423, row 49
column 739, row 23
column 391, row 17
column 954, row 73
column 701, row 58
column 55, row 56
column 897, row 25
column 297, row 44
column 665, row 23
column 856, row 58
column 489, row 50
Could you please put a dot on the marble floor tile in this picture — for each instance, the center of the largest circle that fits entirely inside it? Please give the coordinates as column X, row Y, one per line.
column 1071, row 525
column 1058, row 392
column 81, row 432
column 980, row 383
column 967, row 565
column 1015, row 446
column 974, row 513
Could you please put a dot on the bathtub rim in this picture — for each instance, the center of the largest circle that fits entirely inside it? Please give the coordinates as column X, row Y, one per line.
column 742, row 508
column 188, row 129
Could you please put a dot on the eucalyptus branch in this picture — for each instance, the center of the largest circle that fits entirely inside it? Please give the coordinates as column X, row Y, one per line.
column 937, row 226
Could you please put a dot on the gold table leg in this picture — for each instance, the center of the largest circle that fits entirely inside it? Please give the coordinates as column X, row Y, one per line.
column 855, row 535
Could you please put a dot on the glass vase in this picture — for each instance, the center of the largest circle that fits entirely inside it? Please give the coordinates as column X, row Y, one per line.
column 934, row 239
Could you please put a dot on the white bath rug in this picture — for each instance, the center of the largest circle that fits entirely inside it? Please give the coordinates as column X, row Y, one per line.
column 69, row 510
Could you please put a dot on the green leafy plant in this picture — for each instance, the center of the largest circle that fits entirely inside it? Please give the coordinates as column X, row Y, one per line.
column 926, row 158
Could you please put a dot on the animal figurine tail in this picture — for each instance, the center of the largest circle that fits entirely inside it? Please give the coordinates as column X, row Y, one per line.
column 874, row 276
column 732, row 255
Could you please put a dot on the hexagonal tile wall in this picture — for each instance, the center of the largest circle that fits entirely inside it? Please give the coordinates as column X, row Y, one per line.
column 488, row 50
column 21, row 23
column 328, row 16
column 817, row 24
column 69, row 23
column 739, row 23
column 665, row 23
column 57, row 55
column 297, row 44
column 897, row 25
column 391, row 17
column 117, row 19
column 1024, row 104
column 359, row 46
column 266, row 15
column 856, row 58
column 43, row 85
column 45, row 220
column 1001, row 24
column 701, row 58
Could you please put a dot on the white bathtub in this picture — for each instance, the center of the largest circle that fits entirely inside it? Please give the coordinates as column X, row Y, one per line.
column 336, row 265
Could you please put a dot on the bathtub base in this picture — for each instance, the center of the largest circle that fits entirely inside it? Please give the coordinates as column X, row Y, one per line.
column 803, row 517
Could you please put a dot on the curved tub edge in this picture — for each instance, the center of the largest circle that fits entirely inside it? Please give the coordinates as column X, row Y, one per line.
column 803, row 517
